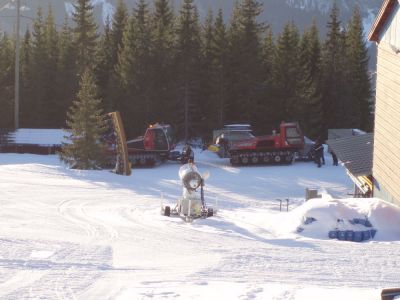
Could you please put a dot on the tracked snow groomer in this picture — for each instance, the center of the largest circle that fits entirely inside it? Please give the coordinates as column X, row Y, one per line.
column 277, row 148
column 154, row 147
column 192, row 204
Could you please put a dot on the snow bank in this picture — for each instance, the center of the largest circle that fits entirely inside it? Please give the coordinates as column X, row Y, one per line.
column 317, row 217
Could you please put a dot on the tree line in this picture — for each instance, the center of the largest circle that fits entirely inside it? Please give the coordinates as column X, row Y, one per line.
column 154, row 64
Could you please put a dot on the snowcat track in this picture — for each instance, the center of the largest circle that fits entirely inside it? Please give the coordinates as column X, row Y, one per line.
column 145, row 159
column 245, row 158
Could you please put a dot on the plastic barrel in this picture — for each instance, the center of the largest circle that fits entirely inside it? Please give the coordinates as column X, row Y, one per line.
column 366, row 235
column 341, row 235
column 358, row 236
column 333, row 234
column 349, row 235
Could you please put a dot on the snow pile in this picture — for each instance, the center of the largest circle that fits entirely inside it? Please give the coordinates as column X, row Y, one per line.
column 317, row 217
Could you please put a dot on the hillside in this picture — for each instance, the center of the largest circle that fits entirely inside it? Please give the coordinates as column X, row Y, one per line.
column 276, row 12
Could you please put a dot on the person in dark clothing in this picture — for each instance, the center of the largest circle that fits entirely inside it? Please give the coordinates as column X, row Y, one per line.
column 334, row 158
column 322, row 153
column 319, row 153
column 187, row 155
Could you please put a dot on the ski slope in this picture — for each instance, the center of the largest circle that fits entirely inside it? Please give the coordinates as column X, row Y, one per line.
column 69, row 234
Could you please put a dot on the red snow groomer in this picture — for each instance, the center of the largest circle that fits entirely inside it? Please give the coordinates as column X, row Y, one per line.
column 155, row 146
column 278, row 148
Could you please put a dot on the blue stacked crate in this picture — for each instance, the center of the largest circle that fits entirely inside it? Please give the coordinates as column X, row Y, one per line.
column 351, row 235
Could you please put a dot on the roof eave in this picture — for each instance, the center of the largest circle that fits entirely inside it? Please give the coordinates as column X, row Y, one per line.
column 381, row 20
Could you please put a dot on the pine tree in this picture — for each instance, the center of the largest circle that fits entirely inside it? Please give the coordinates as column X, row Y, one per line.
column 188, row 65
column 135, row 71
column 144, row 67
column 334, row 92
column 246, row 61
column 162, row 58
column 104, row 65
column 87, row 125
column 50, row 116
column 110, row 47
column 359, row 79
column 309, row 92
column 125, row 73
column 207, row 93
column 287, row 73
column 266, row 116
column 38, row 72
column 220, row 65
column 118, row 25
column 85, row 36
column 112, row 91
column 26, row 105
column 6, row 82
column 66, row 79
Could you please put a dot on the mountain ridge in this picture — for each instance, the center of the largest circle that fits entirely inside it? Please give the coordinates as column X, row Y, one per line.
column 276, row 12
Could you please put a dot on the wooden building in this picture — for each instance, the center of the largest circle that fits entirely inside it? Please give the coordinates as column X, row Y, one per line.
column 386, row 158
column 355, row 153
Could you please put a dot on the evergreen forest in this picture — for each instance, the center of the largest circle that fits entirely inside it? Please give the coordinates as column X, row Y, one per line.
column 158, row 63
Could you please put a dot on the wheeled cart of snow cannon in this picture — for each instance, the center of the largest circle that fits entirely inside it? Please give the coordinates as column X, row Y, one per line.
column 192, row 204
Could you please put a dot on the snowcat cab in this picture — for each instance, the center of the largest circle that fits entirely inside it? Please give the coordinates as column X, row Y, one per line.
column 158, row 137
column 291, row 135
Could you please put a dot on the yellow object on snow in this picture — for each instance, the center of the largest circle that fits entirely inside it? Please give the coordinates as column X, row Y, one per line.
column 213, row 148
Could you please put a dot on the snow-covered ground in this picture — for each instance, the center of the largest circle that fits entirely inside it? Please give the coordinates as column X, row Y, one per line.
column 68, row 234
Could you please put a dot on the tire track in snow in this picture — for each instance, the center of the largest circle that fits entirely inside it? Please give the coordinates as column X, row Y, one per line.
column 56, row 270
column 65, row 208
column 76, row 212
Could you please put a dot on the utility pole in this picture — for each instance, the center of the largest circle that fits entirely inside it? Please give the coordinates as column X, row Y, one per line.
column 17, row 54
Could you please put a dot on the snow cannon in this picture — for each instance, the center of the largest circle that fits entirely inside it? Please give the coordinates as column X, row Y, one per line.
column 192, row 204
column 190, row 177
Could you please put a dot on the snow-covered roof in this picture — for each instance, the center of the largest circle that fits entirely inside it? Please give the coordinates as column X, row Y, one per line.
column 355, row 152
column 246, row 127
column 43, row 137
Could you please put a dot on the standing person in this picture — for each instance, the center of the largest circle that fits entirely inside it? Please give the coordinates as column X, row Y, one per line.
column 319, row 152
column 334, row 158
column 322, row 152
column 187, row 155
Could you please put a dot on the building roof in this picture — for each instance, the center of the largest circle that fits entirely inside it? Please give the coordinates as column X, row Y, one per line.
column 355, row 153
column 42, row 137
column 384, row 14
column 334, row 134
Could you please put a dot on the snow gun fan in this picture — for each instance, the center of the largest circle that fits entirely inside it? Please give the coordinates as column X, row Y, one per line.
column 191, row 205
